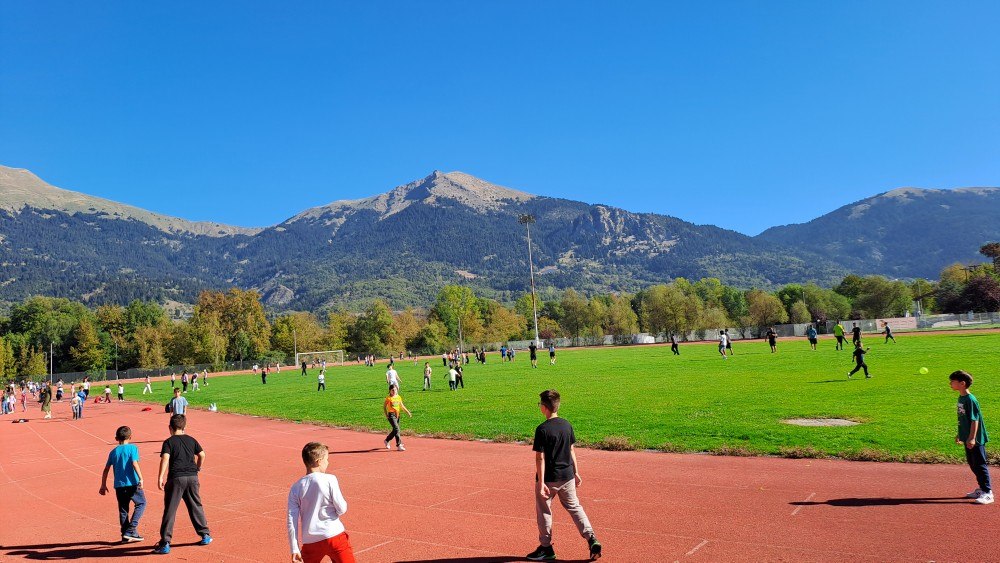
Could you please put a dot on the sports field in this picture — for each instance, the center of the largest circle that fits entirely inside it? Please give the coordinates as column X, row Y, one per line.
column 645, row 397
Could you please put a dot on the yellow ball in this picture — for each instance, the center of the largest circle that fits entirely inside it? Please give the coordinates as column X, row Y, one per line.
column 923, row 371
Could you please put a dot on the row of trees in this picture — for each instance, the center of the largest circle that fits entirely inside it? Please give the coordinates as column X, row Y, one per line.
column 235, row 326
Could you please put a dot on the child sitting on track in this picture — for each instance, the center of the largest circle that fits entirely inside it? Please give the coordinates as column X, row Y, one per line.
column 316, row 501
column 124, row 459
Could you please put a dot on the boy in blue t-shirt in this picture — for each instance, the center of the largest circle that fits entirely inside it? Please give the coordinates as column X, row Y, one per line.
column 972, row 434
column 124, row 459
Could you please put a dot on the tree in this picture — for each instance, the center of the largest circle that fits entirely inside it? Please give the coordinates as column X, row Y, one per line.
column 32, row 363
column 150, row 347
column 765, row 309
column 620, row 320
column 713, row 317
column 850, row 286
column 298, row 331
column 406, row 326
column 981, row 294
column 373, row 330
column 991, row 250
column 575, row 314
column 799, row 313
column 880, row 297
column 501, row 324
column 453, row 302
column 87, row 353
column 924, row 292
column 338, row 326
column 432, row 338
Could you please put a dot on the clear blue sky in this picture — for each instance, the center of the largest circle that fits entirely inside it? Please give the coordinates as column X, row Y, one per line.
column 739, row 114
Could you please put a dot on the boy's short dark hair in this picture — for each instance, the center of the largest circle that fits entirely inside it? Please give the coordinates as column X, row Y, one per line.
column 123, row 433
column 550, row 398
column 313, row 452
column 177, row 389
column 178, row 422
column 963, row 376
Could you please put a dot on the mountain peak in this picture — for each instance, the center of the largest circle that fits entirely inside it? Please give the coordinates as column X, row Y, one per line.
column 456, row 186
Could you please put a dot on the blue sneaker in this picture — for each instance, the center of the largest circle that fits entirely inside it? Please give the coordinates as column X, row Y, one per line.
column 205, row 540
column 162, row 549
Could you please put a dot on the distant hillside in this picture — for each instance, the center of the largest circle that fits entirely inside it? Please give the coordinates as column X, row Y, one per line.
column 906, row 233
column 405, row 244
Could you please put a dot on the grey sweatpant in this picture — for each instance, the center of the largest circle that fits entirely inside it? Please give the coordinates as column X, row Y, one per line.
column 566, row 491
column 182, row 488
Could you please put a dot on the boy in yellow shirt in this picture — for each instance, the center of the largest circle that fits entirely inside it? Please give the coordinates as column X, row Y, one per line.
column 393, row 404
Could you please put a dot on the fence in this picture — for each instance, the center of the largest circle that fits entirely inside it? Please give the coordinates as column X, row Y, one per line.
column 140, row 373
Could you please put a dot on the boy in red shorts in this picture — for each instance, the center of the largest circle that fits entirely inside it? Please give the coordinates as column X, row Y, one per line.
column 316, row 500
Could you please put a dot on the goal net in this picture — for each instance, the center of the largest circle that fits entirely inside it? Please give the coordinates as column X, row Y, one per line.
column 317, row 358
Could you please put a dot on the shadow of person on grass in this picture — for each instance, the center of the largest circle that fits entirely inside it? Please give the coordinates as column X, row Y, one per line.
column 883, row 501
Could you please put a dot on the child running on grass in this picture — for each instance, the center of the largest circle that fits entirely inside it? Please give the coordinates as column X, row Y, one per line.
column 557, row 475
column 317, row 502
column 124, row 459
column 859, row 358
column 184, row 457
column 393, row 404
column 427, row 376
column 972, row 434
column 149, row 386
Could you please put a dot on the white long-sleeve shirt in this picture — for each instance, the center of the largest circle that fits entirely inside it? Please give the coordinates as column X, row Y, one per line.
column 317, row 499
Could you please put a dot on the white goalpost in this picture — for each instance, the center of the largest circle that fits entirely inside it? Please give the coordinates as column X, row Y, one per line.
column 331, row 356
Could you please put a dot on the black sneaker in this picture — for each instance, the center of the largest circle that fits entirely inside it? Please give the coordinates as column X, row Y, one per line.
column 131, row 537
column 595, row 548
column 542, row 553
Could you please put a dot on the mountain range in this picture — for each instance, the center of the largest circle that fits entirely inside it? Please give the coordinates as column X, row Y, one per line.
column 403, row 245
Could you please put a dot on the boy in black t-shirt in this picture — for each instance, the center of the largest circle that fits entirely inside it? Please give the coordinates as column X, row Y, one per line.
column 859, row 358
column 183, row 455
column 556, row 475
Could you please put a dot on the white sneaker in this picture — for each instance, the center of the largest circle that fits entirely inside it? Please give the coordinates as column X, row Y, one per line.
column 974, row 494
column 387, row 446
column 403, row 449
column 985, row 498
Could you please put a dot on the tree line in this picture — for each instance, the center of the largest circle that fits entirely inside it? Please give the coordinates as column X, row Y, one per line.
column 234, row 325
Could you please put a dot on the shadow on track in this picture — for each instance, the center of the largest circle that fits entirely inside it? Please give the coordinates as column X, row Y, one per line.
column 82, row 550
column 884, row 501
column 500, row 559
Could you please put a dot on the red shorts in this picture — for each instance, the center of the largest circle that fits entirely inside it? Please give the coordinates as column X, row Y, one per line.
column 338, row 549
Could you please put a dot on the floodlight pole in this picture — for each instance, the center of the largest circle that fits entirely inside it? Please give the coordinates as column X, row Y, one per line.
column 295, row 348
column 527, row 220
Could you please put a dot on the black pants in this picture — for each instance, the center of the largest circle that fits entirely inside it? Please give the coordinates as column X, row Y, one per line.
column 977, row 462
column 863, row 366
column 840, row 343
column 459, row 381
column 185, row 385
column 187, row 489
column 321, row 386
column 445, row 362
column 394, row 422
column 263, row 378
column 674, row 349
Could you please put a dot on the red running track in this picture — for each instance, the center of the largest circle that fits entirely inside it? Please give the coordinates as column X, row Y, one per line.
column 466, row 502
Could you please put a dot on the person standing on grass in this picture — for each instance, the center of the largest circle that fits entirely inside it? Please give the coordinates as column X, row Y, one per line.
column 772, row 339
column 149, row 386
column 184, row 457
column 392, row 407
column 316, row 501
column 673, row 345
column 321, row 378
column 304, row 366
column 723, row 340
column 427, row 376
column 121, row 392
column 859, row 358
column 888, row 334
column 184, row 381
column 263, row 376
column 204, row 376
column 552, row 354
column 856, row 334
column 459, row 377
column 194, row 381
column 838, row 332
column 729, row 342
column 124, row 459
column 811, row 335
column 557, row 475
column 533, row 354
column 972, row 434
column 392, row 377
column 452, row 377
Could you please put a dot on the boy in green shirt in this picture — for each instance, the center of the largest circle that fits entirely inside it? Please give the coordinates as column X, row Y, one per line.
column 972, row 433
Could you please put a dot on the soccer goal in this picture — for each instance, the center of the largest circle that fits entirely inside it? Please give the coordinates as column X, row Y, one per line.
column 330, row 356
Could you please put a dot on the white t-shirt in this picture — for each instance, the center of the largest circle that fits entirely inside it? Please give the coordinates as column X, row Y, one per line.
column 392, row 377
column 722, row 340
column 317, row 500
column 322, row 377
column 452, row 375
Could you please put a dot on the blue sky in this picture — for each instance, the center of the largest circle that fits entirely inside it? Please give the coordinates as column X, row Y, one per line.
column 739, row 114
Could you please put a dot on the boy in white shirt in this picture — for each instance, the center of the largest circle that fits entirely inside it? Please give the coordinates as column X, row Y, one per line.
column 316, row 500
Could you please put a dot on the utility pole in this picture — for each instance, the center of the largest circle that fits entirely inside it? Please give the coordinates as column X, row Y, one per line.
column 527, row 220
column 295, row 347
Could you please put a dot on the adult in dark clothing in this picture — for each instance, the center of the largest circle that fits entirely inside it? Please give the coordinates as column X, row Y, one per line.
column 856, row 334
column 533, row 354
column 673, row 345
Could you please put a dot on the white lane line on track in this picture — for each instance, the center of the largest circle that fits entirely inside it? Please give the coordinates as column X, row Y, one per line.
column 696, row 548
column 801, row 506
column 373, row 547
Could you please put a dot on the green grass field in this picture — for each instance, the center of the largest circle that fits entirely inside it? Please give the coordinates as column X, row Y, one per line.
column 644, row 397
